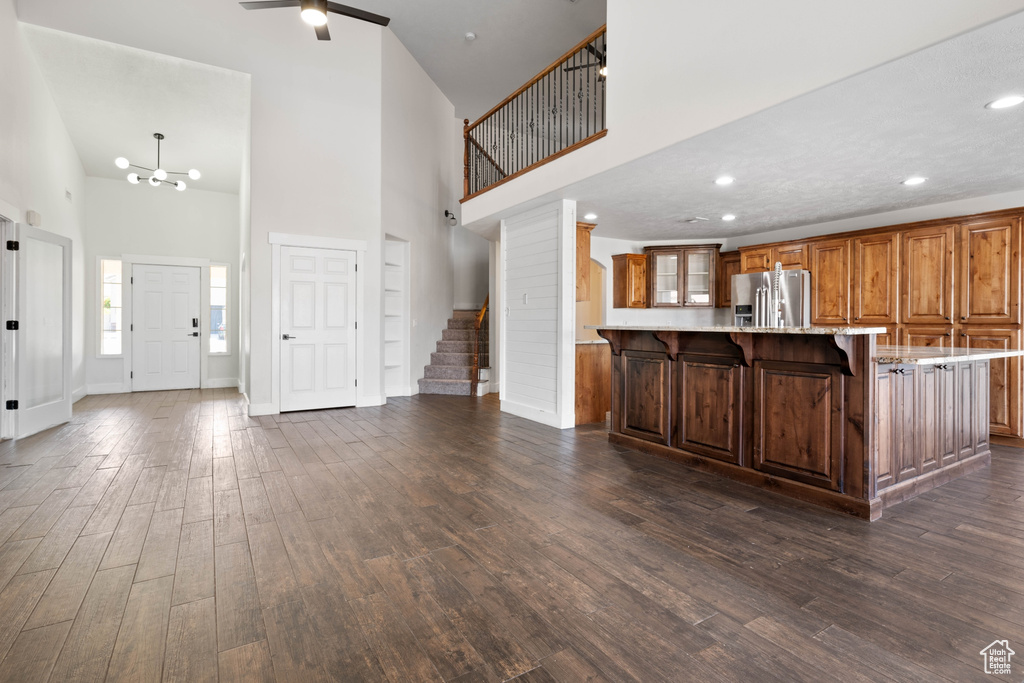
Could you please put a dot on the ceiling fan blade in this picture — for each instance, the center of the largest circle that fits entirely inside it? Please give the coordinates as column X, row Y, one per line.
column 270, row 4
column 322, row 33
column 347, row 11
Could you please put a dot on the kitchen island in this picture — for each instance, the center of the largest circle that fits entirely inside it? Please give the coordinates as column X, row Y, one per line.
column 819, row 414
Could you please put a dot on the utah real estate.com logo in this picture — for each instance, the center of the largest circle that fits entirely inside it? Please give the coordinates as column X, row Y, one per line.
column 997, row 657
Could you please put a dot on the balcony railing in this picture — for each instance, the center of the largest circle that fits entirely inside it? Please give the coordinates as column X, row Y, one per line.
column 559, row 110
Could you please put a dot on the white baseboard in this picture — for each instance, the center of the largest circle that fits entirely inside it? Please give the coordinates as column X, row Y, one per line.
column 367, row 401
column 398, row 391
column 495, row 387
column 257, row 409
column 530, row 413
column 110, row 388
column 79, row 393
column 221, row 383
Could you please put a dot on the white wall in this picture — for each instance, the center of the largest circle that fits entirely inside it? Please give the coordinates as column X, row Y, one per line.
column 670, row 79
column 38, row 164
column 122, row 218
column 419, row 181
column 244, row 269
column 470, row 260
column 538, row 255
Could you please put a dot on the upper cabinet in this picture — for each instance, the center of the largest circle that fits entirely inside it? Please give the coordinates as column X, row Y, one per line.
column 761, row 258
column 629, row 281
column 875, row 279
column 728, row 265
column 830, row 282
column 682, row 276
column 926, row 282
column 990, row 271
column 583, row 260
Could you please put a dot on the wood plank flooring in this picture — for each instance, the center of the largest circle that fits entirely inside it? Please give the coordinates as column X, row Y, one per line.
column 167, row 536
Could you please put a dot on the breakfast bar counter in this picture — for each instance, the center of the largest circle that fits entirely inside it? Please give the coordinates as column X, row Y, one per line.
column 819, row 414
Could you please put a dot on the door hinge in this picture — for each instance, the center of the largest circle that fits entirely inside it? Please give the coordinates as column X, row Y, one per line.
column 12, row 405
column 357, row 383
column 12, row 324
column 13, row 245
column 357, row 325
column 131, row 375
column 131, row 327
column 357, row 267
column 131, row 280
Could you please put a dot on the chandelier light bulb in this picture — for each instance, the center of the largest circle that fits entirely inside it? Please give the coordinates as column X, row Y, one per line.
column 121, row 162
column 133, row 178
column 193, row 174
column 154, row 181
column 180, row 185
column 160, row 174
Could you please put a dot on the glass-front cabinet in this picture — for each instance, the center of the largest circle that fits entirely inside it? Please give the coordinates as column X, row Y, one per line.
column 682, row 275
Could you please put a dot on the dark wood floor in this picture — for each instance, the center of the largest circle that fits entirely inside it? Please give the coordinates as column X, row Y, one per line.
column 166, row 536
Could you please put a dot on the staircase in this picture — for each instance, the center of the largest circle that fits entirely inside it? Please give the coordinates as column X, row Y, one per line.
column 451, row 367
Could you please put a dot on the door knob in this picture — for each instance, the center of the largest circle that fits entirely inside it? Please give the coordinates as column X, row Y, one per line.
column 192, row 334
column 286, row 337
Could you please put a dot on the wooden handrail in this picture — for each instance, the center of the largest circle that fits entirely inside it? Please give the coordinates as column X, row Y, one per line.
column 487, row 156
column 474, row 379
column 554, row 65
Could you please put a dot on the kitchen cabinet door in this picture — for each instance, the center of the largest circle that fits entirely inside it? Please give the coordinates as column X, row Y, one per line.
column 926, row 287
column 629, row 281
column 791, row 256
column 990, row 272
column 583, row 260
column 875, row 279
column 1004, row 376
column 830, row 282
column 699, row 276
column 936, row 336
column 665, row 272
column 755, row 260
column 728, row 265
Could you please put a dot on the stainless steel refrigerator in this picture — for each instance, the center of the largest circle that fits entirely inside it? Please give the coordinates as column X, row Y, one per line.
column 777, row 298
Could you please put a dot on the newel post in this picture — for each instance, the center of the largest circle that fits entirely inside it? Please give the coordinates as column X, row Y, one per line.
column 465, row 158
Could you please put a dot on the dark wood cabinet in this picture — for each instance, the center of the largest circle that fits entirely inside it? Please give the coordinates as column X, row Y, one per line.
column 798, row 422
column 875, row 281
column 1004, row 376
column 593, row 382
column 665, row 277
column 629, row 281
column 990, row 272
column 646, row 396
column 791, row 256
column 830, row 282
column 708, row 399
column 728, row 265
column 583, row 260
column 926, row 282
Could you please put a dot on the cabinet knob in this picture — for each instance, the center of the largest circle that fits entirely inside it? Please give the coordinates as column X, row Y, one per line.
column 948, row 334
column 947, row 317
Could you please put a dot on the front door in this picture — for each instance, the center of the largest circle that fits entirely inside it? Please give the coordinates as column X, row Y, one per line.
column 165, row 328
column 40, row 329
column 318, row 338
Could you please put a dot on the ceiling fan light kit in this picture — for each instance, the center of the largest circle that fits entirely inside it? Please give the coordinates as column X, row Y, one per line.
column 159, row 175
column 314, row 13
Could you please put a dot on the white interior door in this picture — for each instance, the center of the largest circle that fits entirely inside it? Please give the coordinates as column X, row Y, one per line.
column 318, row 337
column 42, row 341
column 165, row 327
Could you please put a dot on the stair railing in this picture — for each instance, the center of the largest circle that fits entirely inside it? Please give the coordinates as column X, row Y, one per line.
column 559, row 110
column 474, row 378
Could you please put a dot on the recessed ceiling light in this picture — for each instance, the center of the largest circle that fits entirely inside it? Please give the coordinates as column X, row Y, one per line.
column 1004, row 102
column 590, row 217
column 914, row 180
column 728, row 217
column 724, row 180
column 471, row 36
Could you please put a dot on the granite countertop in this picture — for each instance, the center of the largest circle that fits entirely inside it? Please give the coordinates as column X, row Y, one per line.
column 747, row 330
column 928, row 355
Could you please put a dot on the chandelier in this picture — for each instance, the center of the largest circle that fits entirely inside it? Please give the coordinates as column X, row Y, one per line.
column 159, row 174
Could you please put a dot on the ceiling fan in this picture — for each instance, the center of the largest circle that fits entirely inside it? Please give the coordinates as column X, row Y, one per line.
column 314, row 13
